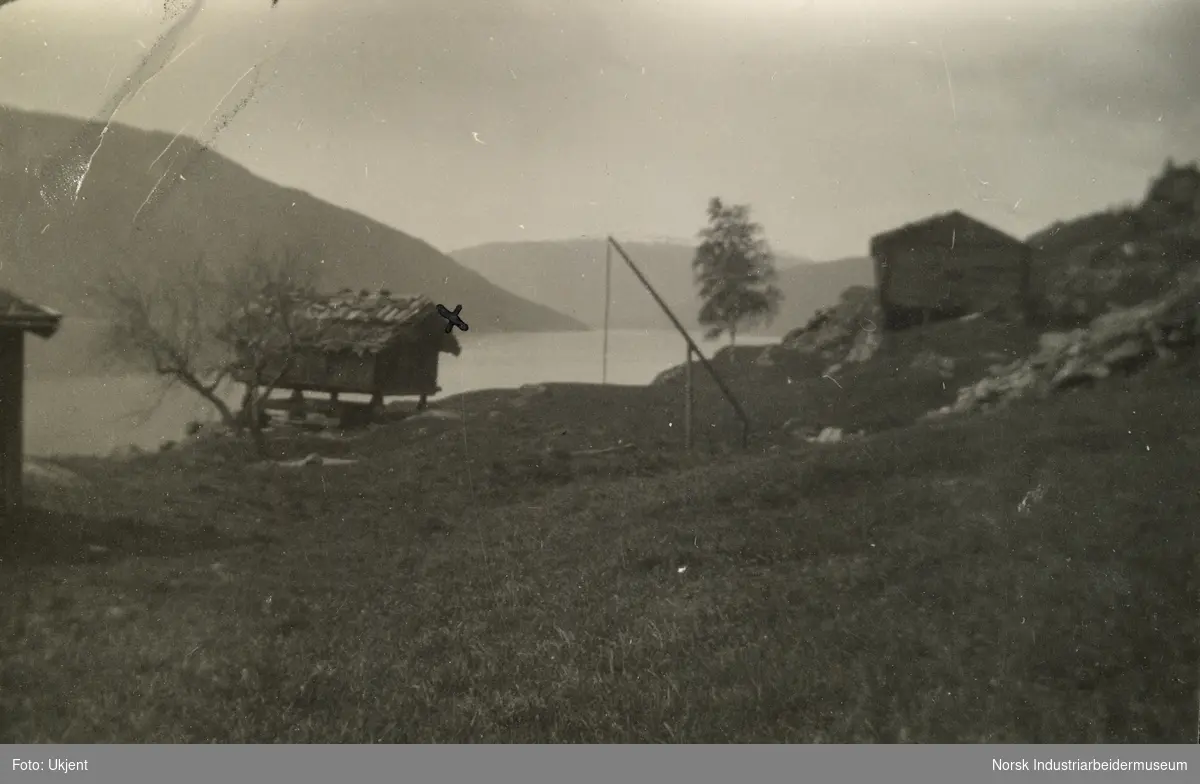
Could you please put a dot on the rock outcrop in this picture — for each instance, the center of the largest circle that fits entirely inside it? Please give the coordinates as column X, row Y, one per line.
column 1120, row 341
column 1099, row 276
column 1119, row 258
column 931, row 362
column 727, row 359
column 848, row 332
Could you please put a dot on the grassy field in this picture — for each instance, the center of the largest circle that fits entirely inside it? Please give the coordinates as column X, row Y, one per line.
column 1029, row 575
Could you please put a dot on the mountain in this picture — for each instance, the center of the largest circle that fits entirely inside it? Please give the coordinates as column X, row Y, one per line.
column 82, row 199
column 568, row 275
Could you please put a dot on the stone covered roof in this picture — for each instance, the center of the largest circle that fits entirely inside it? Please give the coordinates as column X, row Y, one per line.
column 366, row 322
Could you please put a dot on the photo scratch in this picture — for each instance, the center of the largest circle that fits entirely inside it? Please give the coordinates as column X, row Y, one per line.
column 158, row 157
column 87, row 167
column 949, row 81
column 150, row 194
column 228, row 92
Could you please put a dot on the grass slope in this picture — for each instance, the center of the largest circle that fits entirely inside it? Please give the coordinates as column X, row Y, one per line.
column 1027, row 576
column 883, row 393
column 136, row 210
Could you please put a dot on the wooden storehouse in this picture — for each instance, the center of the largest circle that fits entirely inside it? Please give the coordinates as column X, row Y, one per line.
column 16, row 318
column 948, row 266
column 364, row 343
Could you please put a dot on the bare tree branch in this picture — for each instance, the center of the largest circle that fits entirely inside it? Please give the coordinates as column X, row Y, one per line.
column 199, row 327
column 161, row 323
column 265, row 327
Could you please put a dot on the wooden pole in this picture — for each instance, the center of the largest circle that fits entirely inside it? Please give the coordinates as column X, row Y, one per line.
column 691, row 343
column 607, row 301
column 687, row 405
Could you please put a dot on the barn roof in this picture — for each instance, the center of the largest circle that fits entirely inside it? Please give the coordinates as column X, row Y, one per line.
column 954, row 220
column 367, row 322
column 16, row 313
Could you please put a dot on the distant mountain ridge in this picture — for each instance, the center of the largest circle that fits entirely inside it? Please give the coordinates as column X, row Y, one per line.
column 148, row 198
column 568, row 275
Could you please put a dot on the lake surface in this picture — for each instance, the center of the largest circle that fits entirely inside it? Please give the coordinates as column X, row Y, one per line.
column 90, row 415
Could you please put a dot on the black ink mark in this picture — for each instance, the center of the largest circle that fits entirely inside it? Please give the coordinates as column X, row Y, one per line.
column 452, row 318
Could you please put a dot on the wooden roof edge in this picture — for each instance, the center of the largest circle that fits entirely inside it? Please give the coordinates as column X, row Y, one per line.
column 16, row 312
column 448, row 344
column 44, row 326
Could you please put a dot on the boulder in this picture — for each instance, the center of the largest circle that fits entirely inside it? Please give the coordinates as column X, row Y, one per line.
column 1127, row 354
column 830, row 435
column 1078, row 370
column 865, row 344
column 1051, row 345
column 931, row 362
column 435, row 413
column 799, row 428
column 314, row 459
column 1120, row 340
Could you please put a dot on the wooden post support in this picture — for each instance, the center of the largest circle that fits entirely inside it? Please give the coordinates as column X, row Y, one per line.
column 687, row 406
column 296, row 410
column 375, row 407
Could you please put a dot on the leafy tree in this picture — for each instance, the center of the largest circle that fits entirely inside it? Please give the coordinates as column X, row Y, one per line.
column 735, row 270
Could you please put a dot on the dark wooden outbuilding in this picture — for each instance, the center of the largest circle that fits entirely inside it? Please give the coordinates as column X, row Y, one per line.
column 948, row 266
column 16, row 318
column 365, row 343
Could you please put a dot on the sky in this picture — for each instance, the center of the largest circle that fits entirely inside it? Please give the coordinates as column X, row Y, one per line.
column 470, row 121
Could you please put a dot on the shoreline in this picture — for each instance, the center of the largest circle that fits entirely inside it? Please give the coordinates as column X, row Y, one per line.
column 92, row 413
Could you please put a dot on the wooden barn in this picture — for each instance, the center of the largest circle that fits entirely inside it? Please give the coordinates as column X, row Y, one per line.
column 16, row 318
column 365, row 343
column 948, row 266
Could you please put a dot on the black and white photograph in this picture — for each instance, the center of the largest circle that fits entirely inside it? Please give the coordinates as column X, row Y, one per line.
column 599, row 372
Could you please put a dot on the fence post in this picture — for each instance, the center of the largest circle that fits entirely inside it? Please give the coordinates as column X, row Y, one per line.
column 687, row 405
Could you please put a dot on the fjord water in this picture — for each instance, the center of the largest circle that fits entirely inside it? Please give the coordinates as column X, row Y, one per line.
column 88, row 414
